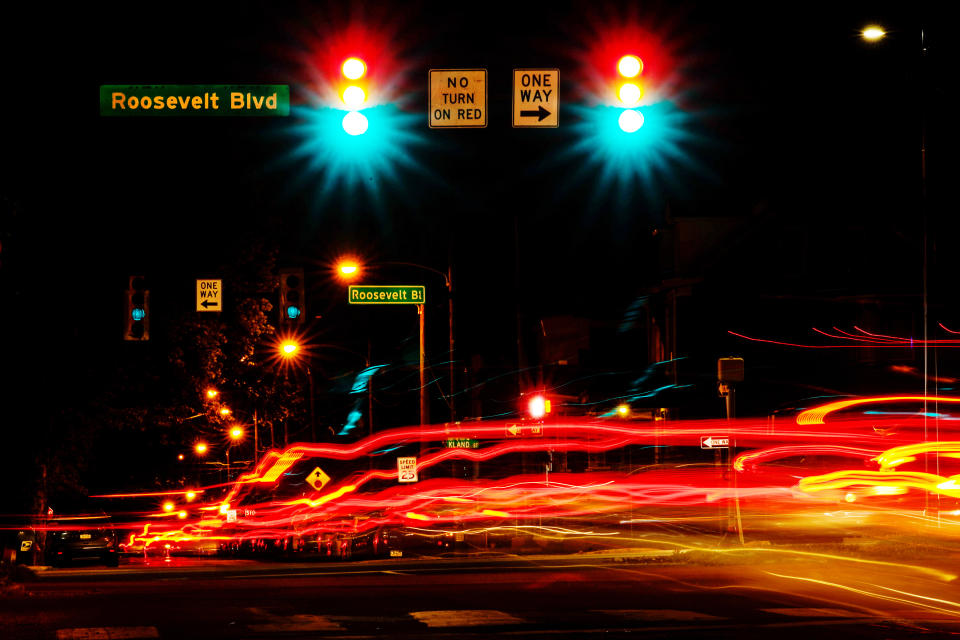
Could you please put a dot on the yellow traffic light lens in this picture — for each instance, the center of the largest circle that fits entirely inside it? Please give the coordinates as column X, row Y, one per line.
column 354, row 97
column 630, row 120
column 353, row 68
column 355, row 123
column 630, row 66
column 630, row 94
column 873, row 33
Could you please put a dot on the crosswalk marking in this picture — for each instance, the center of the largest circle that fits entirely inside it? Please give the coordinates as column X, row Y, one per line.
column 464, row 617
column 294, row 623
column 656, row 615
column 809, row 612
column 107, row 633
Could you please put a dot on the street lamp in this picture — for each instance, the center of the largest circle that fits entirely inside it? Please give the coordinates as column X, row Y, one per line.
column 290, row 350
column 200, row 448
column 349, row 270
column 873, row 33
column 212, row 393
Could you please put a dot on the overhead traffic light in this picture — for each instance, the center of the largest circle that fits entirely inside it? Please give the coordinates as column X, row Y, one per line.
column 354, row 95
column 292, row 299
column 629, row 92
column 136, row 310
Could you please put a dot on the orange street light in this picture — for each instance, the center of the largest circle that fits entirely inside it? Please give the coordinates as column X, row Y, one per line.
column 224, row 411
column 236, row 433
column 623, row 410
column 212, row 393
column 200, row 448
column 348, row 269
column 873, row 33
column 168, row 506
column 289, row 348
column 180, row 456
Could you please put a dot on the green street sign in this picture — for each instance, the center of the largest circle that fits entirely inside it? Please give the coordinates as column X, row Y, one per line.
column 462, row 443
column 389, row 294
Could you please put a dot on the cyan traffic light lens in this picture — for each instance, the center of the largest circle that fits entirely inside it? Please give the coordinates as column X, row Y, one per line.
column 138, row 314
column 293, row 312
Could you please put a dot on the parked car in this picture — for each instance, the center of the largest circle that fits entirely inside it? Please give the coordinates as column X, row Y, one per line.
column 81, row 538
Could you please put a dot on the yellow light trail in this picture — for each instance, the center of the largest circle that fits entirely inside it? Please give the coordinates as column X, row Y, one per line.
column 952, row 612
column 817, row 414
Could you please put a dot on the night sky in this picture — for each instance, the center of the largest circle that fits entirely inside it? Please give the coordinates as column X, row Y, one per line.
column 790, row 126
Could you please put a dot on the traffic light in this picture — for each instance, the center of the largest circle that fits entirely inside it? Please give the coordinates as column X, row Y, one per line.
column 137, row 310
column 292, row 299
column 629, row 92
column 354, row 95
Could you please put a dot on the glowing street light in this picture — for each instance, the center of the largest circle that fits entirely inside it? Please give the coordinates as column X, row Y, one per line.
column 236, row 433
column 289, row 348
column 225, row 411
column 200, row 448
column 348, row 269
column 873, row 33
column 212, row 393
column 623, row 410
column 168, row 506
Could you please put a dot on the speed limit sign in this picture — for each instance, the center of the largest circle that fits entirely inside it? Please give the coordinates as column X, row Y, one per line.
column 407, row 469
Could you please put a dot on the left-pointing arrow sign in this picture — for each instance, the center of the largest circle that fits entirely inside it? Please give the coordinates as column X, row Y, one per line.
column 207, row 303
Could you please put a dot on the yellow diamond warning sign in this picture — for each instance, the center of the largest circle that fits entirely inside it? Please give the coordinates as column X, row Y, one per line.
column 317, row 479
column 458, row 98
column 536, row 97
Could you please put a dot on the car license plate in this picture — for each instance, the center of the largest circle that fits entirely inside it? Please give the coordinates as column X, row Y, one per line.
column 85, row 536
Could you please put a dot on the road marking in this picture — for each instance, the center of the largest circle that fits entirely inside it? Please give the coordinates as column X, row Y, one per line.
column 285, row 624
column 809, row 612
column 464, row 618
column 107, row 633
column 658, row 615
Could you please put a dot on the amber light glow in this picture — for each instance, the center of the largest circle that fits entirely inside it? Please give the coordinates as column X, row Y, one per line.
column 289, row 348
column 348, row 269
column 873, row 33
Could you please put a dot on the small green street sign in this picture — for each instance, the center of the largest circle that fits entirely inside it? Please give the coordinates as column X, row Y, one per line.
column 462, row 443
column 389, row 294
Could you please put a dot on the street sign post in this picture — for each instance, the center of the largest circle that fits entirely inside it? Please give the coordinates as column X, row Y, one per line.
column 536, row 98
column 407, row 469
column 458, row 98
column 391, row 294
column 714, row 442
column 209, row 295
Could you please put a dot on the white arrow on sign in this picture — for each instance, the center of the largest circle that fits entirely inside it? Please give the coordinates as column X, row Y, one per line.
column 713, row 442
